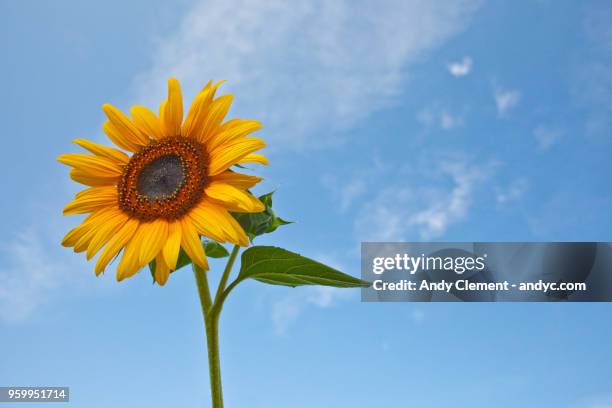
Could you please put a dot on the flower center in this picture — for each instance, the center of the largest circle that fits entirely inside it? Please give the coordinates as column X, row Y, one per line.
column 161, row 178
column 164, row 180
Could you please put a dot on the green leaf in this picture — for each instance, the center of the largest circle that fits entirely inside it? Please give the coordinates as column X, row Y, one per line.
column 277, row 222
column 255, row 224
column 277, row 266
column 215, row 250
column 267, row 199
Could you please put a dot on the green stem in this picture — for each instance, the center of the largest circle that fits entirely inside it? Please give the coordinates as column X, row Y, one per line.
column 226, row 273
column 214, row 363
column 203, row 290
column 211, row 310
column 211, row 323
column 226, row 292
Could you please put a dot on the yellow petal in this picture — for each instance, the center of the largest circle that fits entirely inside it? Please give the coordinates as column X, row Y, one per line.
column 215, row 222
column 231, row 153
column 92, row 198
column 213, row 118
column 254, row 158
column 76, row 233
column 162, row 117
column 239, row 180
column 231, row 130
column 199, row 109
column 92, row 228
column 155, row 234
column 106, row 232
column 94, row 165
column 190, row 241
column 234, row 199
column 173, row 244
column 148, row 238
column 84, row 241
column 130, row 264
column 124, row 126
column 173, row 109
column 91, row 179
column 118, row 241
column 146, row 121
column 162, row 271
column 118, row 139
column 103, row 151
column 96, row 192
column 73, row 236
column 207, row 227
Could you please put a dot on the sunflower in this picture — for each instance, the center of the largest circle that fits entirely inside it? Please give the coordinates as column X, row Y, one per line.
column 172, row 187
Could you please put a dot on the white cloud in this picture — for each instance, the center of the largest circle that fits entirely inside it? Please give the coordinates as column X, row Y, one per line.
column 426, row 116
column 286, row 310
column 505, row 100
column 30, row 274
column 353, row 183
column 592, row 85
column 513, row 192
column 35, row 269
column 443, row 211
column 441, row 118
column 350, row 192
column 26, row 278
column 325, row 296
column 418, row 315
column 448, row 121
column 427, row 209
column 460, row 68
column 346, row 191
column 305, row 69
column 547, row 137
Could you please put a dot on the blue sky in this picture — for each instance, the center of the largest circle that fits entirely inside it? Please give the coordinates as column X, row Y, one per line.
column 460, row 120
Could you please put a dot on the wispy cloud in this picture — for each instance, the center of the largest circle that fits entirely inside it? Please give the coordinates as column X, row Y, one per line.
column 286, row 310
column 460, row 68
column 31, row 272
column 26, row 277
column 513, row 192
column 399, row 211
column 593, row 84
column 346, row 191
column 440, row 118
column 448, row 121
column 505, row 100
column 547, row 136
column 351, row 184
column 305, row 69
column 417, row 316
column 35, row 269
